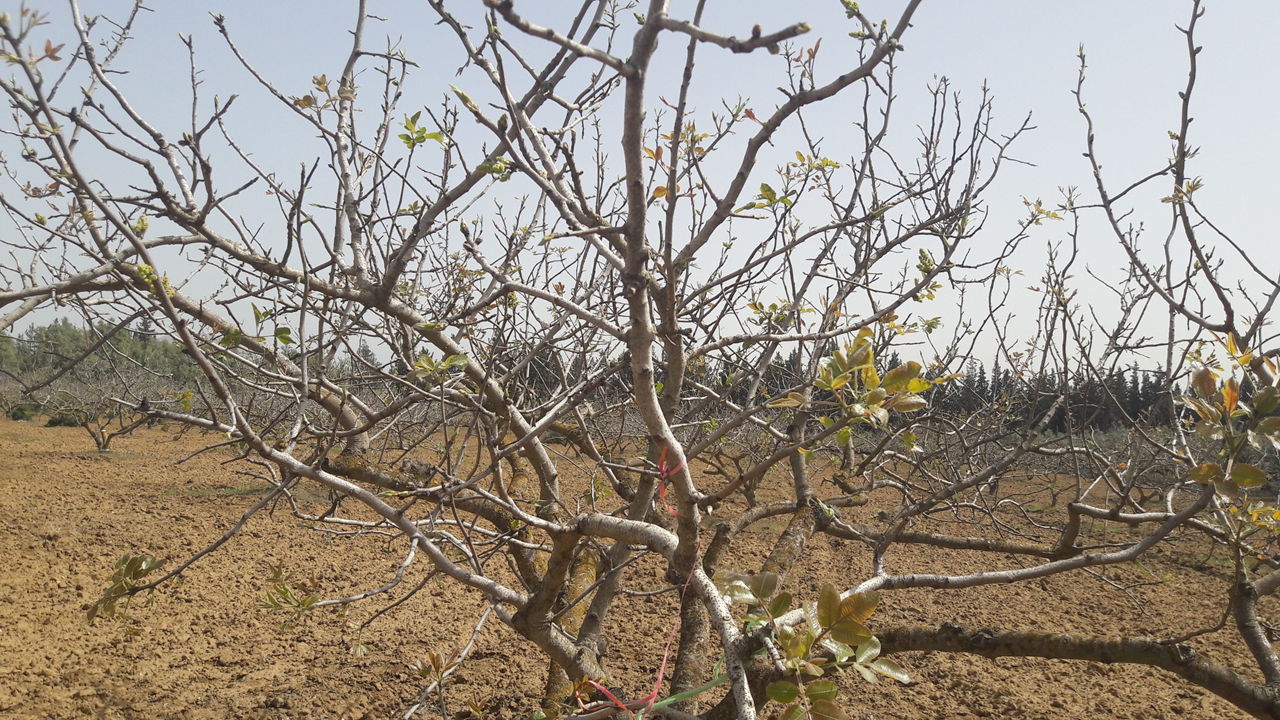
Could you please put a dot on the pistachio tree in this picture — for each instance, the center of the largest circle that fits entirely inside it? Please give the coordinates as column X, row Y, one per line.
column 557, row 314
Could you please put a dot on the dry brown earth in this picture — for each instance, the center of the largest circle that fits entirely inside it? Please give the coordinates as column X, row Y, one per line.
column 207, row 650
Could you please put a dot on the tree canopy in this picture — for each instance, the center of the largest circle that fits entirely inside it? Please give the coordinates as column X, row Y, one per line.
column 556, row 320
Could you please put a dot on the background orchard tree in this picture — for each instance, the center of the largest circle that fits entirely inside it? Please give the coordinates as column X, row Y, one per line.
column 564, row 317
column 74, row 375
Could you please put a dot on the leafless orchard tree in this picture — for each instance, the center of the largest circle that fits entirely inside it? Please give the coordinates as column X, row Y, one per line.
column 557, row 319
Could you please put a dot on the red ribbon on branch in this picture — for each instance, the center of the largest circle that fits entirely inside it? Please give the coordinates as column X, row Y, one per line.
column 665, row 473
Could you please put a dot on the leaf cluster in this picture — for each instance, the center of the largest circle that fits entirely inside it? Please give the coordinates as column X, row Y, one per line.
column 1223, row 417
column 322, row 96
column 437, row 665
column 832, row 636
column 123, row 585
column 28, row 21
column 427, row 367
column 418, row 135
column 286, row 595
column 857, row 390
column 1235, row 425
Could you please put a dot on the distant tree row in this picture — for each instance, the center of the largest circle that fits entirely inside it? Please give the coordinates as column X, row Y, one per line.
column 1100, row 401
column 1100, row 404
column 47, row 349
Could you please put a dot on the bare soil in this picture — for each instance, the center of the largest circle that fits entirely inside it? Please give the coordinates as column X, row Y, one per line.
column 207, row 649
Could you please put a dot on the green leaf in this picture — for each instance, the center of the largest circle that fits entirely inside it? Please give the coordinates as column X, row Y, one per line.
column 764, row 584
column 789, row 639
column 866, row 673
column 843, row 435
column 826, row 710
column 909, row 403
column 231, row 339
column 897, row 378
column 734, row 588
column 890, row 669
column 678, row 697
column 1269, row 426
column 496, row 166
column 1227, row 488
column 466, row 99
column 1206, row 473
column 780, row 604
column 793, row 711
column 1209, row 430
column 792, row 400
column 918, row 385
column 828, row 606
column 1267, row 399
column 821, row 690
column 859, row 606
column 1203, row 409
column 850, row 632
column 868, row 651
column 284, row 335
column 782, row 692
column 838, row 649
column 1205, row 383
column 870, row 377
column 811, row 617
column 1248, row 476
column 768, row 193
column 861, row 356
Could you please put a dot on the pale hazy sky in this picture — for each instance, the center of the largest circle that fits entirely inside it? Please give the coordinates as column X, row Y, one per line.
column 1025, row 50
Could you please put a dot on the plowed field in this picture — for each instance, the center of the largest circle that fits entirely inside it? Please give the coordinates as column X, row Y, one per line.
column 207, row 649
